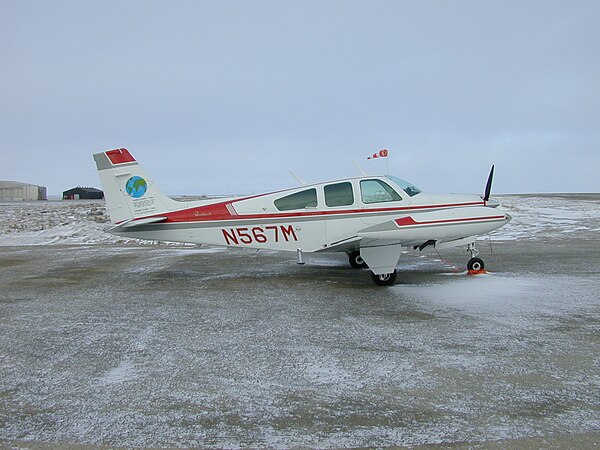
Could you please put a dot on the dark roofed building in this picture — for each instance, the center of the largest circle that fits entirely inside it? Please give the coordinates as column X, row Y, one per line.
column 83, row 193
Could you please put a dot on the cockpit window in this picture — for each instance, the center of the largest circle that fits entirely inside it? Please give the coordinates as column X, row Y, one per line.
column 377, row 191
column 410, row 189
column 299, row 200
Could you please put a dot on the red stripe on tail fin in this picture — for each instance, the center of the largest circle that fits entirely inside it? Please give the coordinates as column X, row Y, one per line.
column 120, row 156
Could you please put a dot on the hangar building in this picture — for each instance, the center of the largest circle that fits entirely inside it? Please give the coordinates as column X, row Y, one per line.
column 15, row 191
column 83, row 193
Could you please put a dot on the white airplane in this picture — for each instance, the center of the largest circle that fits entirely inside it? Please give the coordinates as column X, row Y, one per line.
column 371, row 218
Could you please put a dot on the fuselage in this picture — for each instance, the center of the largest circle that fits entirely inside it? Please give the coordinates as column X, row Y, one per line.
column 332, row 216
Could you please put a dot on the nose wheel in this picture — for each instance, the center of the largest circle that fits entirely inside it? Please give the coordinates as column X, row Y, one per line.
column 475, row 264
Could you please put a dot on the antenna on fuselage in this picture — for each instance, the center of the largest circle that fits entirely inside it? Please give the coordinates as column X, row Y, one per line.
column 230, row 192
column 298, row 179
column 361, row 171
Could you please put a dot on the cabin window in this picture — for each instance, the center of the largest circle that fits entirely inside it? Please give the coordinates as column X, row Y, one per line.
column 377, row 191
column 339, row 194
column 299, row 200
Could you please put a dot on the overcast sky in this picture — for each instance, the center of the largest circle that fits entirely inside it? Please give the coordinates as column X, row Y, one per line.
column 228, row 96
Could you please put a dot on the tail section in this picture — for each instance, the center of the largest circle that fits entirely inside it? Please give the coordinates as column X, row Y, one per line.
column 128, row 190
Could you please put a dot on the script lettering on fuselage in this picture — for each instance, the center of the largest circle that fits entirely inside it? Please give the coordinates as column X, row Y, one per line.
column 259, row 235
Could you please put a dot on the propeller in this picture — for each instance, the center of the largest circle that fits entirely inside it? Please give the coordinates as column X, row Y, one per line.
column 488, row 185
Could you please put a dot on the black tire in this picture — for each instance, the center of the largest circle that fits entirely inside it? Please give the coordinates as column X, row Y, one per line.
column 356, row 260
column 475, row 264
column 386, row 279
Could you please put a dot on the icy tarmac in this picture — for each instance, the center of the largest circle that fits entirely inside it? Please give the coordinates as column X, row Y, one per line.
column 124, row 345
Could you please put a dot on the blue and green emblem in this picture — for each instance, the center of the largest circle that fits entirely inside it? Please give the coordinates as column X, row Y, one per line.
column 136, row 187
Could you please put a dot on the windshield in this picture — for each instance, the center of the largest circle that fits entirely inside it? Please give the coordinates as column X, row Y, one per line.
column 410, row 189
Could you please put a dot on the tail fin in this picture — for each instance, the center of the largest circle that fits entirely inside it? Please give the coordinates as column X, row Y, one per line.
column 129, row 192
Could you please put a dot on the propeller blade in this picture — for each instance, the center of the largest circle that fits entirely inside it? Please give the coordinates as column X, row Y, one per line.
column 488, row 186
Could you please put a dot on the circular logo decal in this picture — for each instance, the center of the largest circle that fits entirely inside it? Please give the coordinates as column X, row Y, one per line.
column 136, row 187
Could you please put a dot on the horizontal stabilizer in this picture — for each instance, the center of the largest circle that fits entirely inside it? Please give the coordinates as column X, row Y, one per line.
column 146, row 221
column 135, row 223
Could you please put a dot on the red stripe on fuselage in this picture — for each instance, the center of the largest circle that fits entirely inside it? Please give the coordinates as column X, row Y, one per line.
column 409, row 221
column 222, row 212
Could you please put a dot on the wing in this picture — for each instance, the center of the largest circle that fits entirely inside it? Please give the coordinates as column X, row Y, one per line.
column 381, row 245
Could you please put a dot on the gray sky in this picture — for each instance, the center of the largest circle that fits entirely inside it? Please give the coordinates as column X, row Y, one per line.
column 227, row 96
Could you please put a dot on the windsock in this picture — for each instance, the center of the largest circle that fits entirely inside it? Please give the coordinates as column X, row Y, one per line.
column 380, row 154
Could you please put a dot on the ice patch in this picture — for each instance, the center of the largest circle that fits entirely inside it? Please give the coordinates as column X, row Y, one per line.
column 476, row 290
column 125, row 371
column 499, row 298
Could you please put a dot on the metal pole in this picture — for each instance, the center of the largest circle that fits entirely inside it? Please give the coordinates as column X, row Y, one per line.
column 300, row 259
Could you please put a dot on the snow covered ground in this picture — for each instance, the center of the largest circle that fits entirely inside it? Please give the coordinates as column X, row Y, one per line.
column 129, row 345
column 83, row 222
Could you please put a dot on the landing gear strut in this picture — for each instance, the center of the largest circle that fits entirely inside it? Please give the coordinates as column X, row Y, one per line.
column 475, row 265
column 356, row 260
column 385, row 279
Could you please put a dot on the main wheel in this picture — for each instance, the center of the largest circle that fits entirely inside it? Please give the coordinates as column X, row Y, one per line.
column 475, row 264
column 356, row 260
column 385, row 279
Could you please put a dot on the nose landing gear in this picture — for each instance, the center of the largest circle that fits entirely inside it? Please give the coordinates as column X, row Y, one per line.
column 475, row 266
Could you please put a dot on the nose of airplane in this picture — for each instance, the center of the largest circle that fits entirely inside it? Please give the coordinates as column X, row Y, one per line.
column 508, row 217
column 492, row 203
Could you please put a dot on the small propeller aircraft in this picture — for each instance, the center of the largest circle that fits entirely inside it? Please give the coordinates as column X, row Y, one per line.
column 371, row 218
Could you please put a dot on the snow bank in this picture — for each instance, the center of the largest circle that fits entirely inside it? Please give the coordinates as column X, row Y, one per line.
column 550, row 216
column 56, row 222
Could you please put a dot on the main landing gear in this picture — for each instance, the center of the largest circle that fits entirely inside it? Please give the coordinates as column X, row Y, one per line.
column 475, row 265
column 385, row 279
column 356, row 260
